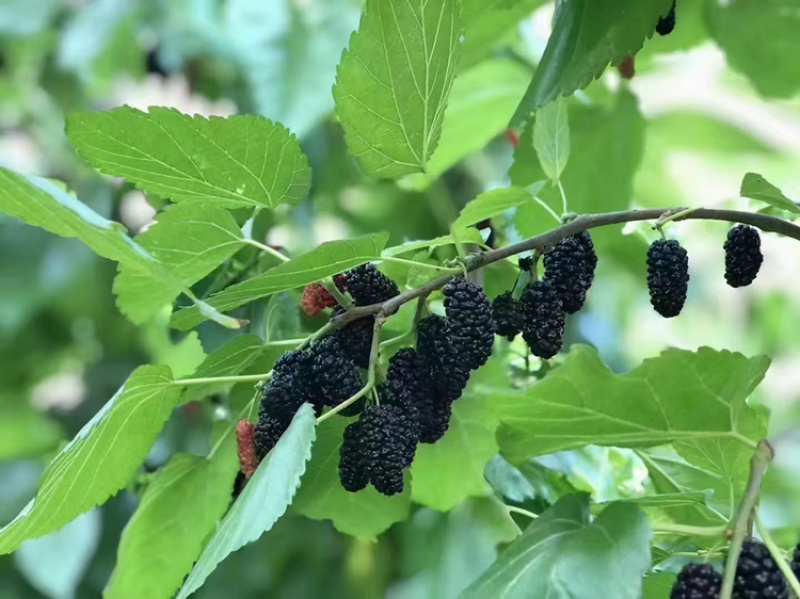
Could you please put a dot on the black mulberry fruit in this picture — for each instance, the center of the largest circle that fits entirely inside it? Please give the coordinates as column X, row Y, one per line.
column 367, row 285
column 386, row 439
column 435, row 347
column 569, row 269
column 542, row 319
column 697, row 581
column 591, row 257
column 434, row 423
column 743, row 256
column 525, row 263
column 471, row 322
column 335, row 377
column 667, row 276
column 356, row 338
column 757, row 574
column 268, row 430
column 289, row 387
column 507, row 318
column 666, row 23
column 353, row 472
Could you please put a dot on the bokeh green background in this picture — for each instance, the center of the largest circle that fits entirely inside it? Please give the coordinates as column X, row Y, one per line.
column 682, row 133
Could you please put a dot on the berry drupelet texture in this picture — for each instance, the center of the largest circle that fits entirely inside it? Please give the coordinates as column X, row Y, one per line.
column 471, row 322
column 507, row 318
column 667, row 276
column 352, row 463
column 569, row 270
column 367, row 285
column 543, row 319
column 334, row 376
column 757, row 574
column 386, row 441
column 591, row 257
column 743, row 255
column 356, row 338
column 407, row 384
column 697, row 581
column 666, row 23
column 267, row 432
column 315, row 299
column 435, row 347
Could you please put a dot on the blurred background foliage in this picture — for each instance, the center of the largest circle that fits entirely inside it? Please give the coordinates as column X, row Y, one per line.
column 715, row 99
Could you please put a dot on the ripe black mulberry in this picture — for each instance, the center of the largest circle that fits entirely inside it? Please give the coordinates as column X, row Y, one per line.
column 289, row 387
column 356, row 338
column 757, row 574
column 471, row 322
column 666, row 23
column 352, row 463
column 668, row 276
column 367, row 285
column 569, row 268
column 697, row 581
column 435, row 347
column 386, row 439
column 267, row 432
column 543, row 318
column 507, row 318
column 743, row 256
column 334, row 376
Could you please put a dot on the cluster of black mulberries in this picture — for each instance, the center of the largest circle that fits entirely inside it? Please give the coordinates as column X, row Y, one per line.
column 667, row 276
column 540, row 311
column 757, row 577
column 666, row 23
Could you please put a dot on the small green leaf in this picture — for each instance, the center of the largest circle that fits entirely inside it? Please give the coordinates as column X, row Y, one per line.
column 561, row 555
column 489, row 204
column 393, row 82
column 189, row 241
column 328, row 259
column 760, row 40
column 263, row 500
column 321, row 496
column 587, row 36
column 102, row 457
column 551, row 138
column 756, row 187
column 677, row 396
column 451, row 469
column 241, row 161
column 177, row 513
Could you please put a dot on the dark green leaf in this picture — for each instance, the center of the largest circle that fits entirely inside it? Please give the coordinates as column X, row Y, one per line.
column 393, row 82
column 489, row 204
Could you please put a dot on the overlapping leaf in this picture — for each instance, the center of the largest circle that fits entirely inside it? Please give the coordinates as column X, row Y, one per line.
column 328, row 259
column 393, row 82
column 756, row 187
column 102, row 457
column 235, row 162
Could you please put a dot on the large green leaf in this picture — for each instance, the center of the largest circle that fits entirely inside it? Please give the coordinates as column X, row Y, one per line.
column 102, row 457
column 263, row 500
column 366, row 513
column 562, row 555
column 42, row 203
column 677, row 396
column 587, row 36
column 551, row 138
column 451, row 469
column 760, row 39
column 482, row 101
column 234, row 162
column 166, row 533
column 393, row 82
column 190, row 241
column 328, row 259
column 756, row 187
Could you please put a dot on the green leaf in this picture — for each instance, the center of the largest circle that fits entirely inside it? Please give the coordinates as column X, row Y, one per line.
column 188, row 240
column 236, row 162
column 177, row 513
column 657, row 585
column 489, row 204
column 482, row 101
column 445, row 472
column 328, row 259
column 468, row 236
column 677, row 396
column 561, row 555
column 551, row 138
column 587, row 36
column 487, row 23
column 366, row 513
column 281, row 318
column 393, row 82
column 42, row 203
column 756, row 187
column 263, row 500
column 760, row 40
column 96, row 464
column 24, row 432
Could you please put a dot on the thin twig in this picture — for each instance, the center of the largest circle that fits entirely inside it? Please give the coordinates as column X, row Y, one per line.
column 519, row 510
column 240, row 378
column 697, row 531
column 738, row 529
column 265, row 248
column 777, row 555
